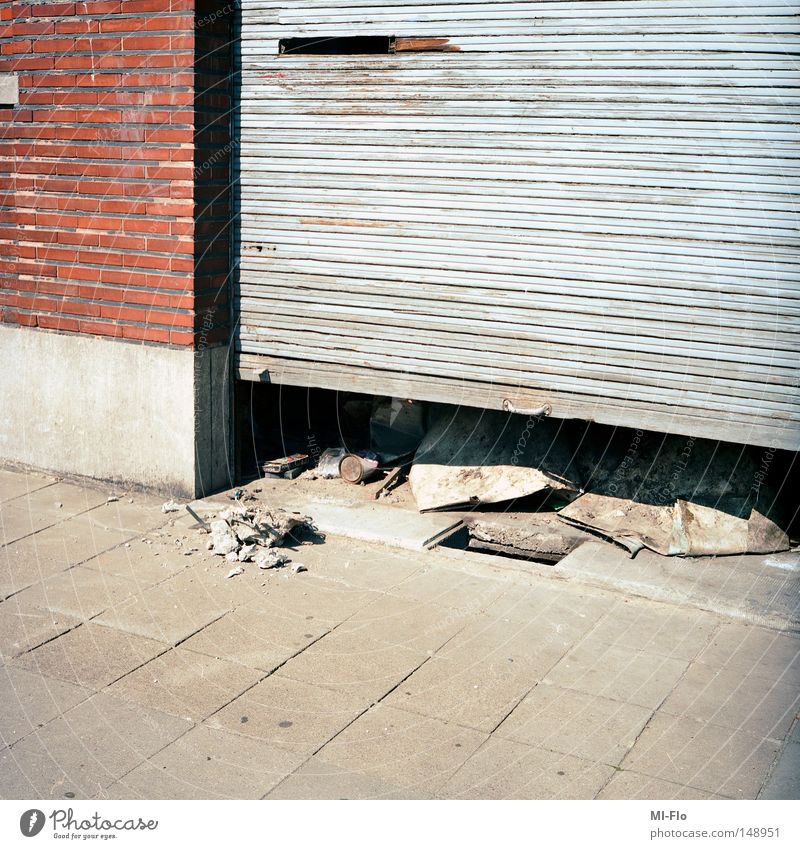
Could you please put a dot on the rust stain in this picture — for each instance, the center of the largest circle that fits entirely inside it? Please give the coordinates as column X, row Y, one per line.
column 419, row 44
column 343, row 222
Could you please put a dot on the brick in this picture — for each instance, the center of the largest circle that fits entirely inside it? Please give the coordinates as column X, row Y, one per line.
column 51, row 10
column 130, row 6
column 101, row 328
column 149, row 334
column 34, row 28
column 98, row 44
column 76, row 27
column 53, row 45
column 59, row 322
column 102, row 7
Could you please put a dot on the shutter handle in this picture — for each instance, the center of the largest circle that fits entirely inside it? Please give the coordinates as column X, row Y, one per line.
column 534, row 413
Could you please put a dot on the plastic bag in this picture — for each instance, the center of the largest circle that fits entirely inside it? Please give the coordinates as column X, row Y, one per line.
column 328, row 463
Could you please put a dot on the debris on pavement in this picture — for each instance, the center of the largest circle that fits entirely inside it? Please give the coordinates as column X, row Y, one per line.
column 111, row 498
column 237, row 570
column 471, row 456
column 246, row 534
column 532, row 536
column 170, row 507
column 678, row 495
column 223, row 540
column 270, row 559
column 358, row 467
column 395, row 477
column 287, row 467
column 200, row 522
column 329, row 461
column 246, row 552
column 299, row 567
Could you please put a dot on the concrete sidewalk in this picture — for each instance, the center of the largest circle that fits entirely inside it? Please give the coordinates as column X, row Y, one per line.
column 132, row 669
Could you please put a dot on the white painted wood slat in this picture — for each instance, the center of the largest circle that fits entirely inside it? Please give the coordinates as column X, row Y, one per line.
column 592, row 204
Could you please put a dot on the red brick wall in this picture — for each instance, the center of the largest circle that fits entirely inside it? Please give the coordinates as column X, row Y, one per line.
column 105, row 222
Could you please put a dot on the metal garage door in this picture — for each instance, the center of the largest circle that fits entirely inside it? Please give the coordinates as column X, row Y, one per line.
column 586, row 204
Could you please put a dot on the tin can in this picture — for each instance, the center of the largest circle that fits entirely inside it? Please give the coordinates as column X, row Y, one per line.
column 355, row 469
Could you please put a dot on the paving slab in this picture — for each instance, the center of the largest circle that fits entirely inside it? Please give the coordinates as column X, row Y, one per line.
column 784, row 782
column 660, row 629
column 451, row 588
column 726, row 697
column 289, row 714
column 535, row 645
column 79, row 592
column 208, row 764
column 568, row 613
column 261, row 639
column 18, row 522
column 319, row 780
column 141, row 514
column 14, row 483
column 749, row 650
column 60, row 501
column 415, row 753
column 405, row 622
column 353, row 664
column 185, row 684
column 170, row 611
column 614, row 672
column 357, row 564
column 52, row 550
column 478, row 695
column 23, row 626
column 626, row 784
column 31, row 700
column 686, row 751
column 314, row 599
column 750, row 588
column 91, row 655
column 145, row 565
column 85, row 750
column 392, row 526
column 504, row 769
column 572, row 723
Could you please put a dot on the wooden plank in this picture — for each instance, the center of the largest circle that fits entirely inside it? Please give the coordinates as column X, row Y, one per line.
column 754, row 429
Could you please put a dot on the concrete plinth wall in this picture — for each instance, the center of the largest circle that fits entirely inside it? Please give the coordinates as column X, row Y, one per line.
column 133, row 413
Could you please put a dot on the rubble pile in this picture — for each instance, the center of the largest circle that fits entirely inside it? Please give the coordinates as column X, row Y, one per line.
column 244, row 534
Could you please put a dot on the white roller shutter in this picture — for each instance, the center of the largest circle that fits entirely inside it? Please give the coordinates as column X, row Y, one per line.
column 590, row 204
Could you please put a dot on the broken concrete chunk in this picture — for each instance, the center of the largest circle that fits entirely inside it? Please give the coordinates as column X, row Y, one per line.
column 269, row 559
column 299, row 567
column 223, row 539
column 170, row 507
column 246, row 552
column 537, row 536
column 237, row 570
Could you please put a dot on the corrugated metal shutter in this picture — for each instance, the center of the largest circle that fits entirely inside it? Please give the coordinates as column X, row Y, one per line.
column 589, row 204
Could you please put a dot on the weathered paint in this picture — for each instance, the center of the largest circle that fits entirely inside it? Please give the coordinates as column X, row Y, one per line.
column 591, row 205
